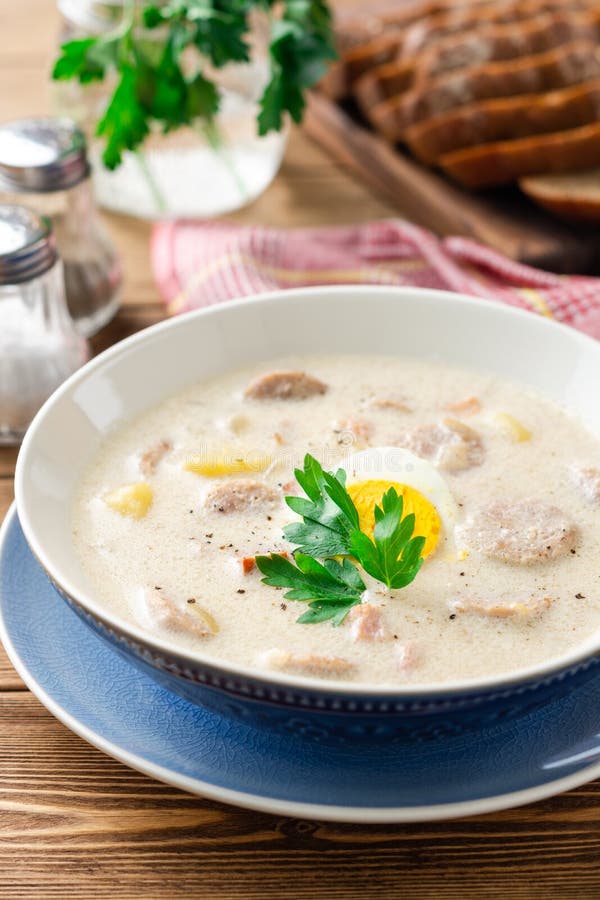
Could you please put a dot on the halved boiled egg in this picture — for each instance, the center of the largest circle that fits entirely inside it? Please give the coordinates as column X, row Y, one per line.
column 372, row 472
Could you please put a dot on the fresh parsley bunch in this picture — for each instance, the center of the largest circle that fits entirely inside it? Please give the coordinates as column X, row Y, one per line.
column 330, row 528
column 154, row 86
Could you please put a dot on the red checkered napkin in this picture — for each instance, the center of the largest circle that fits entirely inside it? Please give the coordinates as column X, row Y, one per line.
column 202, row 263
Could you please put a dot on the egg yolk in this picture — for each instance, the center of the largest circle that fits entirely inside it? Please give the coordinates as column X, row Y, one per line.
column 366, row 495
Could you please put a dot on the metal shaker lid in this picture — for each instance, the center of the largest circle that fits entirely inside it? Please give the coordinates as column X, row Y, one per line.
column 42, row 154
column 27, row 246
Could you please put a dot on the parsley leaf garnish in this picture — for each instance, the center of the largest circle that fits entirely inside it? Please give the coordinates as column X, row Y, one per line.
column 330, row 528
column 394, row 555
column 157, row 87
column 329, row 515
column 333, row 587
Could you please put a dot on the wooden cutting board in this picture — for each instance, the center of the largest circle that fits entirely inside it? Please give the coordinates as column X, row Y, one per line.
column 504, row 218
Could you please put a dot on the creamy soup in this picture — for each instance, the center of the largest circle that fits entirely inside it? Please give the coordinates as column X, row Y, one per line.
column 505, row 487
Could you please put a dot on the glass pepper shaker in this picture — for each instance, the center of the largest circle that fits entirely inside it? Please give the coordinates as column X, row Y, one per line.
column 39, row 346
column 43, row 163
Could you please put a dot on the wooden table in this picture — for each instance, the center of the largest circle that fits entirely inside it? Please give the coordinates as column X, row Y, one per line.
column 75, row 824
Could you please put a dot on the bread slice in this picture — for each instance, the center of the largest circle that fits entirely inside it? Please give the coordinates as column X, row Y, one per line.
column 490, row 43
column 461, row 17
column 369, row 39
column 571, row 64
column 505, row 161
column 574, row 196
column 494, row 42
column 379, row 39
column 503, row 119
column 431, row 30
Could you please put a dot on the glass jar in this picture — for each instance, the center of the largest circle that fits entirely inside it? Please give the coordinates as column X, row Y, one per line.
column 39, row 346
column 43, row 162
column 184, row 173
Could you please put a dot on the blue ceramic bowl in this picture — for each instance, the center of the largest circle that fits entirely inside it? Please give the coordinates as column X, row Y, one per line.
column 143, row 370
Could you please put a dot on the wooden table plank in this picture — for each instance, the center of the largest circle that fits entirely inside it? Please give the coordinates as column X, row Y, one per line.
column 76, row 823
column 6, row 496
column 9, row 680
column 8, row 458
column 324, row 194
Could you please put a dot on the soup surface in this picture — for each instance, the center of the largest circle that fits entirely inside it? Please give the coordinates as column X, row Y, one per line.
column 505, row 486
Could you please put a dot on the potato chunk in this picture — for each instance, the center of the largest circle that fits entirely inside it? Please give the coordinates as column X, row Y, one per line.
column 133, row 500
column 216, row 465
column 511, row 427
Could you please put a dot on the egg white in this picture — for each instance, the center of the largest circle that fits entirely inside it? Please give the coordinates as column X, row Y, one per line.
column 400, row 466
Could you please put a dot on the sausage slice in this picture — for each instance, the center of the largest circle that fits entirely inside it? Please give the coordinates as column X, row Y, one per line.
column 502, row 606
column 587, row 479
column 406, row 658
column 311, row 664
column 522, row 533
column 151, row 457
column 162, row 612
column 450, row 444
column 240, row 494
column 366, row 624
column 353, row 431
column 285, row 386
column 469, row 406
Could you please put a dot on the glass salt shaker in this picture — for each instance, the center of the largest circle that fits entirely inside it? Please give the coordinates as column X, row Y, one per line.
column 43, row 163
column 39, row 346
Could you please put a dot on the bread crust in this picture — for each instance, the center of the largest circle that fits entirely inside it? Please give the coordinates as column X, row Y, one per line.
column 573, row 63
column 505, row 161
column 576, row 204
column 431, row 22
column 504, row 118
column 489, row 43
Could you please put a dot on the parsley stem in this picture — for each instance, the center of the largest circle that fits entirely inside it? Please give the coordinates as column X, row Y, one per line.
column 157, row 194
column 125, row 29
column 211, row 133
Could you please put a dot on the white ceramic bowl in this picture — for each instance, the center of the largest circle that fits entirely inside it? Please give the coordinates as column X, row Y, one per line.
column 148, row 367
